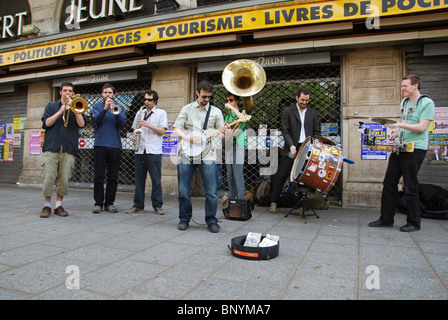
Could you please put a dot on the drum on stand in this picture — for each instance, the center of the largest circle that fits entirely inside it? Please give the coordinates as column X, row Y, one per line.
column 317, row 165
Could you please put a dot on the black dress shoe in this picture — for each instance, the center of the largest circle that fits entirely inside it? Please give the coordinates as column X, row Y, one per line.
column 213, row 228
column 409, row 228
column 380, row 223
column 183, row 225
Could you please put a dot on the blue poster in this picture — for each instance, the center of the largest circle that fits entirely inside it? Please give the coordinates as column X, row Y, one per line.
column 169, row 144
column 378, row 131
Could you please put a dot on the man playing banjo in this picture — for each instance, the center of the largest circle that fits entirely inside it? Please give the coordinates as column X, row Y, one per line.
column 198, row 117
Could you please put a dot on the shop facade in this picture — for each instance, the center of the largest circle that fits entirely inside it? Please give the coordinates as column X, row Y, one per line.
column 349, row 55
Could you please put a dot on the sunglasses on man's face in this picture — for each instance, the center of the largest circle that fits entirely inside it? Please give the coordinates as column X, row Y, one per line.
column 206, row 97
column 146, row 99
column 229, row 100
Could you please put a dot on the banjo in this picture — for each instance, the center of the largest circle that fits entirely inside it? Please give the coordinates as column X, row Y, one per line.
column 199, row 151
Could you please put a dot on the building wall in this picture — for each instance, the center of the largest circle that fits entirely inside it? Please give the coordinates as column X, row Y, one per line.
column 371, row 78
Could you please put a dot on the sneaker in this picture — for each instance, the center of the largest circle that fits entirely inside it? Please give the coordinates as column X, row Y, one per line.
column 46, row 212
column 273, row 208
column 159, row 211
column 134, row 210
column 60, row 211
column 97, row 209
column 183, row 225
column 111, row 209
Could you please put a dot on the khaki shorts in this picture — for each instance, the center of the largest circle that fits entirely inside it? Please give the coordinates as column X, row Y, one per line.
column 57, row 168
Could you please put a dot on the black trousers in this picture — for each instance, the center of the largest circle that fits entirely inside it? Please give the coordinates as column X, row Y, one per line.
column 406, row 165
column 279, row 179
column 103, row 158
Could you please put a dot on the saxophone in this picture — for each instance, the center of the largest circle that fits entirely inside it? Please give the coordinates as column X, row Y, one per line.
column 137, row 131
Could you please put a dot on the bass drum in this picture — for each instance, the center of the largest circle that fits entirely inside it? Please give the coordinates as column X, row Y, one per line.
column 317, row 165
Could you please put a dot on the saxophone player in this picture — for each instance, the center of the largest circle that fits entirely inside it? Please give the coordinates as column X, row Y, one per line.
column 152, row 122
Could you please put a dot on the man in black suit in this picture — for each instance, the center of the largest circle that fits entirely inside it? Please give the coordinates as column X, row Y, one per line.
column 294, row 133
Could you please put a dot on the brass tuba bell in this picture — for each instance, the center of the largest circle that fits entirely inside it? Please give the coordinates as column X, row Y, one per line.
column 244, row 78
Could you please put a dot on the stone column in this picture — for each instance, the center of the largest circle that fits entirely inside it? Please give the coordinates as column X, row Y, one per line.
column 175, row 86
column 39, row 94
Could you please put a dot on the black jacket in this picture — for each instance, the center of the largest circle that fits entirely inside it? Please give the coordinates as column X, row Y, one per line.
column 291, row 125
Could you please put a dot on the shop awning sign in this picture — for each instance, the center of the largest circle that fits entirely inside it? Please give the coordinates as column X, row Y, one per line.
column 244, row 20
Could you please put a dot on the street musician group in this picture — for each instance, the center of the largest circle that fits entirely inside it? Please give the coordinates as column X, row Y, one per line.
column 196, row 123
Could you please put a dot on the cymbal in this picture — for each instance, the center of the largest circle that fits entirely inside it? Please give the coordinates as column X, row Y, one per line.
column 383, row 121
column 356, row 117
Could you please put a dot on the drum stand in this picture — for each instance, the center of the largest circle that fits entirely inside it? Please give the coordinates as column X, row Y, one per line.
column 303, row 190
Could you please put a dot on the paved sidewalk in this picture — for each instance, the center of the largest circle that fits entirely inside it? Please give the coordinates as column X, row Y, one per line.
column 144, row 256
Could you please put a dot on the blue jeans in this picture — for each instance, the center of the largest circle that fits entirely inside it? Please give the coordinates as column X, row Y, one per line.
column 185, row 174
column 151, row 163
column 235, row 172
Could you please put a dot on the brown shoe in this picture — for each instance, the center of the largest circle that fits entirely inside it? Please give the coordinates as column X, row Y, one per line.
column 60, row 211
column 46, row 212
column 159, row 211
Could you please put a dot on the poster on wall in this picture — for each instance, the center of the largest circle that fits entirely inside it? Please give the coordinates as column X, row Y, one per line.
column 19, row 122
column 438, row 149
column 380, row 132
column 8, row 150
column 35, row 142
column 2, row 131
column 438, row 138
column 440, row 123
column 169, row 143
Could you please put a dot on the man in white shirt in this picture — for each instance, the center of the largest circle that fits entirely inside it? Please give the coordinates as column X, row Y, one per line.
column 152, row 122
column 298, row 122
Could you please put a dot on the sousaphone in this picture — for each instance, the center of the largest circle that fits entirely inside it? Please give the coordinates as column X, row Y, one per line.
column 244, row 78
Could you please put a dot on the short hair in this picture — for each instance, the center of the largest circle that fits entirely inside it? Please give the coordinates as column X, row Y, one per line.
column 205, row 85
column 154, row 95
column 304, row 91
column 66, row 84
column 228, row 94
column 415, row 79
column 108, row 85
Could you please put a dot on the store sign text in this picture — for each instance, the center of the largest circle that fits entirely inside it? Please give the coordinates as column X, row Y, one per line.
column 78, row 11
column 12, row 24
column 222, row 23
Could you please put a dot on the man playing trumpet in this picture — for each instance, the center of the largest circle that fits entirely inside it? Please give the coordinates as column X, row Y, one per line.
column 109, row 119
column 60, row 149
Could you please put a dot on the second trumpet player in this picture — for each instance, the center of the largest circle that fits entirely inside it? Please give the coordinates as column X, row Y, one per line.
column 107, row 149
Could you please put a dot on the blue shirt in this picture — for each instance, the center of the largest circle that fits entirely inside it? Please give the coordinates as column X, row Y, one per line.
column 108, row 126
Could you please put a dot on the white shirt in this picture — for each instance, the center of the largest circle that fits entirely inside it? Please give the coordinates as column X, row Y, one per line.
column 149, row 140
column 302, row 130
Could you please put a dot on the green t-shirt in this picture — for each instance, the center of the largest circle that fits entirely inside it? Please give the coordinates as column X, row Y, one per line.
column 240, row 134
column 424, row 110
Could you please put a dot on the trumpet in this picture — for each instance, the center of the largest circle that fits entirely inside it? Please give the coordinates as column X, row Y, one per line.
column 115, row 109
column 78, row 105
